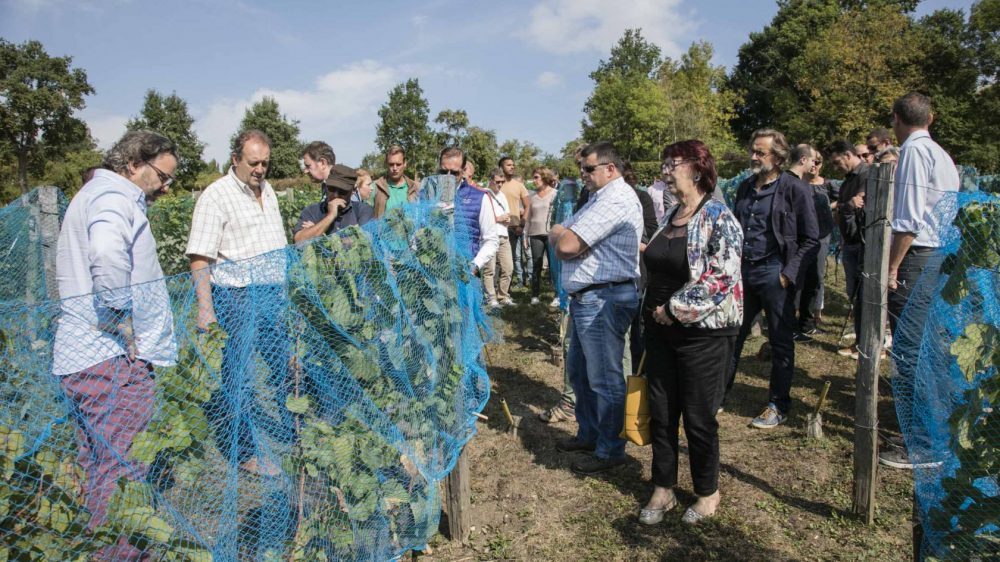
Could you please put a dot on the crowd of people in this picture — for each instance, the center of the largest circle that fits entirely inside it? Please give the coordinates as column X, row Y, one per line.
column 672, row 272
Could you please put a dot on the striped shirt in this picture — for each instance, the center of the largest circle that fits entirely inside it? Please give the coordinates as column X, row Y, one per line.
column 924, row 175
column 230, row 225
column 106, row 261
column 610, row 223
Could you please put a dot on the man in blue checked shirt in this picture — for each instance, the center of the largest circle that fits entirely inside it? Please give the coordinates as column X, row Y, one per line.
column 599, row 250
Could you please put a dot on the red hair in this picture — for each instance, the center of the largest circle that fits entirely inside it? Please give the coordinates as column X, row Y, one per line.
column 697, row 154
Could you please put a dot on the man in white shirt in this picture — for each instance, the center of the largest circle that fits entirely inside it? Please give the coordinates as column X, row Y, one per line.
column 504, row 257
column 237, row 230
column 116, row 323
column 925, row 174
column 475, row 222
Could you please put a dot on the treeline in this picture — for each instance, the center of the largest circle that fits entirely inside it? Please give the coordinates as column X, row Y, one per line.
column 821, row 70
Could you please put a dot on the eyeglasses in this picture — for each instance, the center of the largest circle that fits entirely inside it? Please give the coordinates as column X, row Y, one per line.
column 671, row 165
column 759, row 153
column 590, row 169
column 165, row 178
column 456, row 173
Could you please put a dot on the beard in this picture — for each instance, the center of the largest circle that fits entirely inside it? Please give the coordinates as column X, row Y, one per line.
column 761, row 167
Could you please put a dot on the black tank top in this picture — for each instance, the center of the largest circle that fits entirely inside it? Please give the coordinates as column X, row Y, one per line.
column 666, row 264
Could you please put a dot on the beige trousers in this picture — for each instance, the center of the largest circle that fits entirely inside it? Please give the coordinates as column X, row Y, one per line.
column 506, row 262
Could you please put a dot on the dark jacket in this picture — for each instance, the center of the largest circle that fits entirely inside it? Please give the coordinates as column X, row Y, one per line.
column 850, row 219
column 357, row 213
column 793, row 218
column 824, row 215
column 382, row 193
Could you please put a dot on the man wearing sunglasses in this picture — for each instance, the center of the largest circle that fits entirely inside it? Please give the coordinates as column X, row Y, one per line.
column 337, row 209
column 441, row 188
column 116, row 326
column 475, row 215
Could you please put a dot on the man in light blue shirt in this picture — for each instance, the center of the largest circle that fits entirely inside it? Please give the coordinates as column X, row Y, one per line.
column 116, row 323
column 924, row 176
column 599, row 249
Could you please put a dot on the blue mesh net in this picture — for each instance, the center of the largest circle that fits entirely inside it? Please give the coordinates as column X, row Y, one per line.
column 22, row 238
column 312, row 422
column 946, row 383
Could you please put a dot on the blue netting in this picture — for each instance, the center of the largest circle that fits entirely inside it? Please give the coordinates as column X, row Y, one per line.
column 313, row 422
column 946, row 385
column 567, row 194
column 22, row 263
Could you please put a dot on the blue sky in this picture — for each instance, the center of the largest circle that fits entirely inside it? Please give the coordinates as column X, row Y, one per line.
column 518, row 67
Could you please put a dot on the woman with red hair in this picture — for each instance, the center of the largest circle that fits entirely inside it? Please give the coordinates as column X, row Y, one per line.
column 692, row 311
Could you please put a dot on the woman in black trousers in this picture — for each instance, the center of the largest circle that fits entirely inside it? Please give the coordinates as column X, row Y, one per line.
column 692, row 311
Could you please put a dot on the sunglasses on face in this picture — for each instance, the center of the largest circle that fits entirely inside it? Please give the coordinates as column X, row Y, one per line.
column 590, row 169
column 456, row 173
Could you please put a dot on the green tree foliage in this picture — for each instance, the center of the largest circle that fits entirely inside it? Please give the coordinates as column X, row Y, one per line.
column 527, row 156
column 38, row 95
column 632, row 56
column 403, row 120
column 168, row 115
column 481, row 148
column 286, row 148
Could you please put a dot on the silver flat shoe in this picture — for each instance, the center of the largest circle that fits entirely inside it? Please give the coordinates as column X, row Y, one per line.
column 654, row 516
column 692, row 517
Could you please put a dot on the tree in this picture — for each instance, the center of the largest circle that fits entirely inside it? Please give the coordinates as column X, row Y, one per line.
column 286, row 148
column 632, row 56
column 403, row 120
column 527, row 156
column 455, row 123
column 38, row 95
column 169, row 116
column 480, row 146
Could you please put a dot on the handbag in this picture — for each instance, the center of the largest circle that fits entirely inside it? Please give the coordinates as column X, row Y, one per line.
column 636, row 429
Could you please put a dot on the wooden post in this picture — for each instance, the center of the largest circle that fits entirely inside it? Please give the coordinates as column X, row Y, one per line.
column 457, row 499
column 48, row 222
column 878, row 205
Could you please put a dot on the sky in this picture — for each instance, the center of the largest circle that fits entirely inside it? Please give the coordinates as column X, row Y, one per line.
column 518, row 67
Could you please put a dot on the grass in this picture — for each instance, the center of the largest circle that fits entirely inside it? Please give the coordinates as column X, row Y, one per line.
column 785, row 497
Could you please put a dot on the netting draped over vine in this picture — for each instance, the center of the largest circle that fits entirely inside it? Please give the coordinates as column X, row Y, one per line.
column 948, row 410
column 22, row 267
column 313, row 422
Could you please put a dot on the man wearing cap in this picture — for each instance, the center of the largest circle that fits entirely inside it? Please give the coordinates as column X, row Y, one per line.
column 336, row 210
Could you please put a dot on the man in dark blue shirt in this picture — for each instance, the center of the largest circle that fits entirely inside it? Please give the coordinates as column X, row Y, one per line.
column 336, row 210
column 780, row 240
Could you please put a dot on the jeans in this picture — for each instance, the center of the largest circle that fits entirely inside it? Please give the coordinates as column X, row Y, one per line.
column 504, row 261
column 686, row 372
column 810, row 297
column 600, row 319
column 253, row 318
column 521, row 273
column 762, row 290
column 854, row 260
column 539, row 247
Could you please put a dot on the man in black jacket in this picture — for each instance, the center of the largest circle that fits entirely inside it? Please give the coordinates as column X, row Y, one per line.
column 850, row 219
column 780, row 241
column 804, row 159
column 337, row 209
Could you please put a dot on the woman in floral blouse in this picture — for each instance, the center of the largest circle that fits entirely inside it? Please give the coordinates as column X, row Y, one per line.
column 692, row 311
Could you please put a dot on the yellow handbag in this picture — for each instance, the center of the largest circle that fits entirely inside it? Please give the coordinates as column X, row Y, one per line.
column 637, row 416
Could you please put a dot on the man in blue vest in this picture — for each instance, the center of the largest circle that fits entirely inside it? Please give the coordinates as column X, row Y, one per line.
column 475, row 221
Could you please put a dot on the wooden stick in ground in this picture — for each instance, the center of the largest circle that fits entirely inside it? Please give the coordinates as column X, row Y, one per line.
column 457, row 496
column 814, row 421
column 878, row 201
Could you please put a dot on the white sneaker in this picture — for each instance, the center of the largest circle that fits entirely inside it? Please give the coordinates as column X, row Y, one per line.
column 554, row 303
column 508, row 302
column 494, row 303
column 534, row 300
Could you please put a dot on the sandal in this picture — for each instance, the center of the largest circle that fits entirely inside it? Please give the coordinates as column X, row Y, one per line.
column 558, row 413
column 654, row 516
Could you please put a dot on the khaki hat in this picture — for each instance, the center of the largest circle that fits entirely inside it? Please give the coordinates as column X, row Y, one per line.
column 342, row 177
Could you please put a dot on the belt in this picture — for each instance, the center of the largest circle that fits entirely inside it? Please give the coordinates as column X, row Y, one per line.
column 597, row 286
column 922, row 250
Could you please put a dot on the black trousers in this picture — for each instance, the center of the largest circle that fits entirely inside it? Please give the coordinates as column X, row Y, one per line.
column 686, row 373
column 539, row 247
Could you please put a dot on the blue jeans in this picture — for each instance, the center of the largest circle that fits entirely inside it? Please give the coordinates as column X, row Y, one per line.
column 253, row 317
column 522, row 274
column 600, row 320
column 762, row 290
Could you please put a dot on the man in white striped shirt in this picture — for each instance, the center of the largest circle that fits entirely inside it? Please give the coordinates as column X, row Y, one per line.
column 238, row 231
column 599, row 249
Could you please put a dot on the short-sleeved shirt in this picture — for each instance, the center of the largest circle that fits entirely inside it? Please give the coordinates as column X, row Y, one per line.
column 610, row 223
column 924, row 175
column 538, row 219
column 754, row 213
column 397, row 195
column 357, row 213
column 514, row 190
column 230, row 225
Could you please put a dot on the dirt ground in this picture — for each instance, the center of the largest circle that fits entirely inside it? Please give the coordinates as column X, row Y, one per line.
column 784, row 496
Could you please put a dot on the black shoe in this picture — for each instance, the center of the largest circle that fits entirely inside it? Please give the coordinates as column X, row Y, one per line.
column 595, row 465
column 816, row 332
column 801, row 337
column 572, row 444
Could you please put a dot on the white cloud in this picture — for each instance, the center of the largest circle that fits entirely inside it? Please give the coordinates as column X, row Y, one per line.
column 105, row 128
column 549, row 79
column 341, row 109
column 573, row 26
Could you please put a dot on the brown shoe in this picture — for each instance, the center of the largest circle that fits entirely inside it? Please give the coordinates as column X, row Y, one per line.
column 572, row 444
column 560, row 413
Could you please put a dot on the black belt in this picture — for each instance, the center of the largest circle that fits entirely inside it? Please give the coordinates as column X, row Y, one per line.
column 597, row 286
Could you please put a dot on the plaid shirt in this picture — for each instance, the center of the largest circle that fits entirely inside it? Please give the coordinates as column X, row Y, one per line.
column 610, row 223
column 229, row 225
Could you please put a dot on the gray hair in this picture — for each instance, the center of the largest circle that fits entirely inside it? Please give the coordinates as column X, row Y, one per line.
column 799, row 152
column 137, row 147
column 913, row 109
column 319, row 150
column 779, row 146
column 240, row 140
